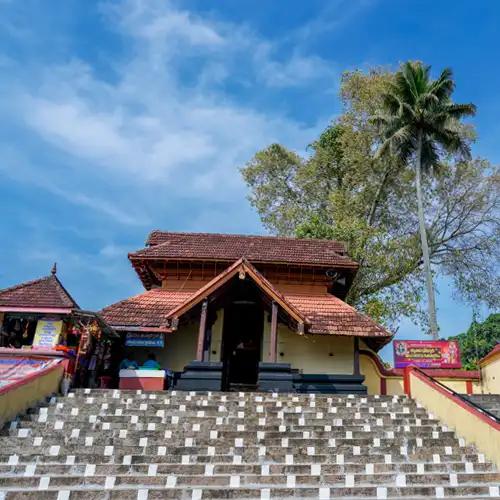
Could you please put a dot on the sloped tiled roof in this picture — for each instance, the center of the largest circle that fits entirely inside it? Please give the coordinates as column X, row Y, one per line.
column 328, row 314
column 324, row 313
column 258, row 249
column 44, row 293
column 238, row 266
column 148, row 309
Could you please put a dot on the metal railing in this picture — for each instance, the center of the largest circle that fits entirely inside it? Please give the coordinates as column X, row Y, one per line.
column 462, row 398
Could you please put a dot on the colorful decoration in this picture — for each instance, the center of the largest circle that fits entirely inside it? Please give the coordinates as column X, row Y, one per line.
column 15, row 368
column 426, row 354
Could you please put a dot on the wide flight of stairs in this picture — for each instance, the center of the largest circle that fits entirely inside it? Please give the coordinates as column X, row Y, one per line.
column 100, row 444
column 489, row 402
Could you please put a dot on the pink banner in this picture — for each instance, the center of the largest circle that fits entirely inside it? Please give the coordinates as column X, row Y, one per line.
column 427, row 353
column 15, row 368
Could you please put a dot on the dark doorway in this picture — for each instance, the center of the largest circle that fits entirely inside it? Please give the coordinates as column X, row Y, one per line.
column 241, row 343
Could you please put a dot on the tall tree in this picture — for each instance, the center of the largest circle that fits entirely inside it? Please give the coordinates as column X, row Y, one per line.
column 419, row 124
column 341, row 190
column 478, row 340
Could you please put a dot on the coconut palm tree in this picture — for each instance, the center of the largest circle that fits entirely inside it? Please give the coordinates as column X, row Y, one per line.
column 419, row 123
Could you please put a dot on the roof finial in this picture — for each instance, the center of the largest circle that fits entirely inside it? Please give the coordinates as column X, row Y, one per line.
column 54, row 269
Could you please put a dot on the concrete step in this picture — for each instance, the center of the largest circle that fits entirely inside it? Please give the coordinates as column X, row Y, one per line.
column 165, row 467
column 322, row 492
column 490, row 402
column 101, row 444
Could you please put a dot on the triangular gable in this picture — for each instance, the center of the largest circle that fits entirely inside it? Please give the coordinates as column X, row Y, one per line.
column 42, row 294
column 241, row 265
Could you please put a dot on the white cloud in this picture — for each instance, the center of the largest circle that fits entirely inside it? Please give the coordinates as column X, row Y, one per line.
column 295, row 71
column 159, row 21
column 149, row 122
column 152, row 127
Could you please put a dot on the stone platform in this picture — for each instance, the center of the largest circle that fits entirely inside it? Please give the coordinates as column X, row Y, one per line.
column 112, row 444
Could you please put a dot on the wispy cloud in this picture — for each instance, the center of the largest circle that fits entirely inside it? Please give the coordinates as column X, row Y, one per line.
column 151, row 135
column 153, row 124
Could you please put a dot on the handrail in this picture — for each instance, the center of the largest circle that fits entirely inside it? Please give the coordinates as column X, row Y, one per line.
column 459, row 396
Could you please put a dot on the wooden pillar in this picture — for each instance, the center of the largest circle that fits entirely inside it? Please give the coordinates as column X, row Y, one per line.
column 356, row 356
column 200, row 348
column 273, row 348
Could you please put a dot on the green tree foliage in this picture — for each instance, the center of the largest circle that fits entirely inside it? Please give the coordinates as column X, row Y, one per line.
column 343, row 190
column 478, row 340
column 418, row 124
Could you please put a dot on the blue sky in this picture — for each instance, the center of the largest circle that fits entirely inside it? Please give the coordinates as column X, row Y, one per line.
column 117, row 117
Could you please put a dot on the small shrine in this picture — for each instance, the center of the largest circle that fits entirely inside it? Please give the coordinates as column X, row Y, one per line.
column 233, row 312
column 40, row 321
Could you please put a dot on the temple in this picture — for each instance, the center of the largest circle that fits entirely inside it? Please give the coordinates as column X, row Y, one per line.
column 229, row 312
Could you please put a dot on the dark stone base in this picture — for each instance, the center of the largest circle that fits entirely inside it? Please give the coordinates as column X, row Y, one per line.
column 329, row 384
column 200, row 376
column 275, row 377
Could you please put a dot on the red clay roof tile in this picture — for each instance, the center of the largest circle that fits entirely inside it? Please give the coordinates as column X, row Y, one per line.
column 230, row 247
column 328, row 314
column 44, row 293
column 148, row 309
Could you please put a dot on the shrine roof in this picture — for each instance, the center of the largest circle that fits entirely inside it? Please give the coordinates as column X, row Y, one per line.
column 46, row 293
column 323, row 314
column 327, row 314
column 257, row 249
column 146, row 310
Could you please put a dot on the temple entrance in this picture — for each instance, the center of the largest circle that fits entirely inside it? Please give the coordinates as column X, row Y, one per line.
column 241, row 344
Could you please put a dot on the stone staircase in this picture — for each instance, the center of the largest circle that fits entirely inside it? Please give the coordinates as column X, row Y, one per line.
column 490, row 402
column 102, row 444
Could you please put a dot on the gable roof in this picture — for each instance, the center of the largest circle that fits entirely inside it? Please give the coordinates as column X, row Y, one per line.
column 43, row 294
column 257, row 249
column 322, row 314
column 241, row 265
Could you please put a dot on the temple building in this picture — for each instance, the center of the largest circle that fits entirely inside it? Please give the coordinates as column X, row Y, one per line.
column 41, row 322
column 230, row 311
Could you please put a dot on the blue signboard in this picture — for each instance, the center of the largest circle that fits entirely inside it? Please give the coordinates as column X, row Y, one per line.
column 134, row 339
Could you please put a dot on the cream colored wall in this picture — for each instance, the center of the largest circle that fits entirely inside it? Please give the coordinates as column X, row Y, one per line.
column 216, row 342
column 477, row 387
column 266, row 335
column 490, row 374
column 372, row 378
column 395, row 386
column 180, row 347
column 459, row 386
column 310, row 353
column 485, row 435
column 179, row 350
column 20, row 398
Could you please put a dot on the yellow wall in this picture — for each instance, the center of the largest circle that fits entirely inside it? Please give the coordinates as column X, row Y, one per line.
column 372, row 378
column 180, row 346
column 459, row 386
column 490, row 375
column 179, row 350
column 395, row 385
column 466, row 424
column 311, row 353
column 24, row 396
column 216, row 343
